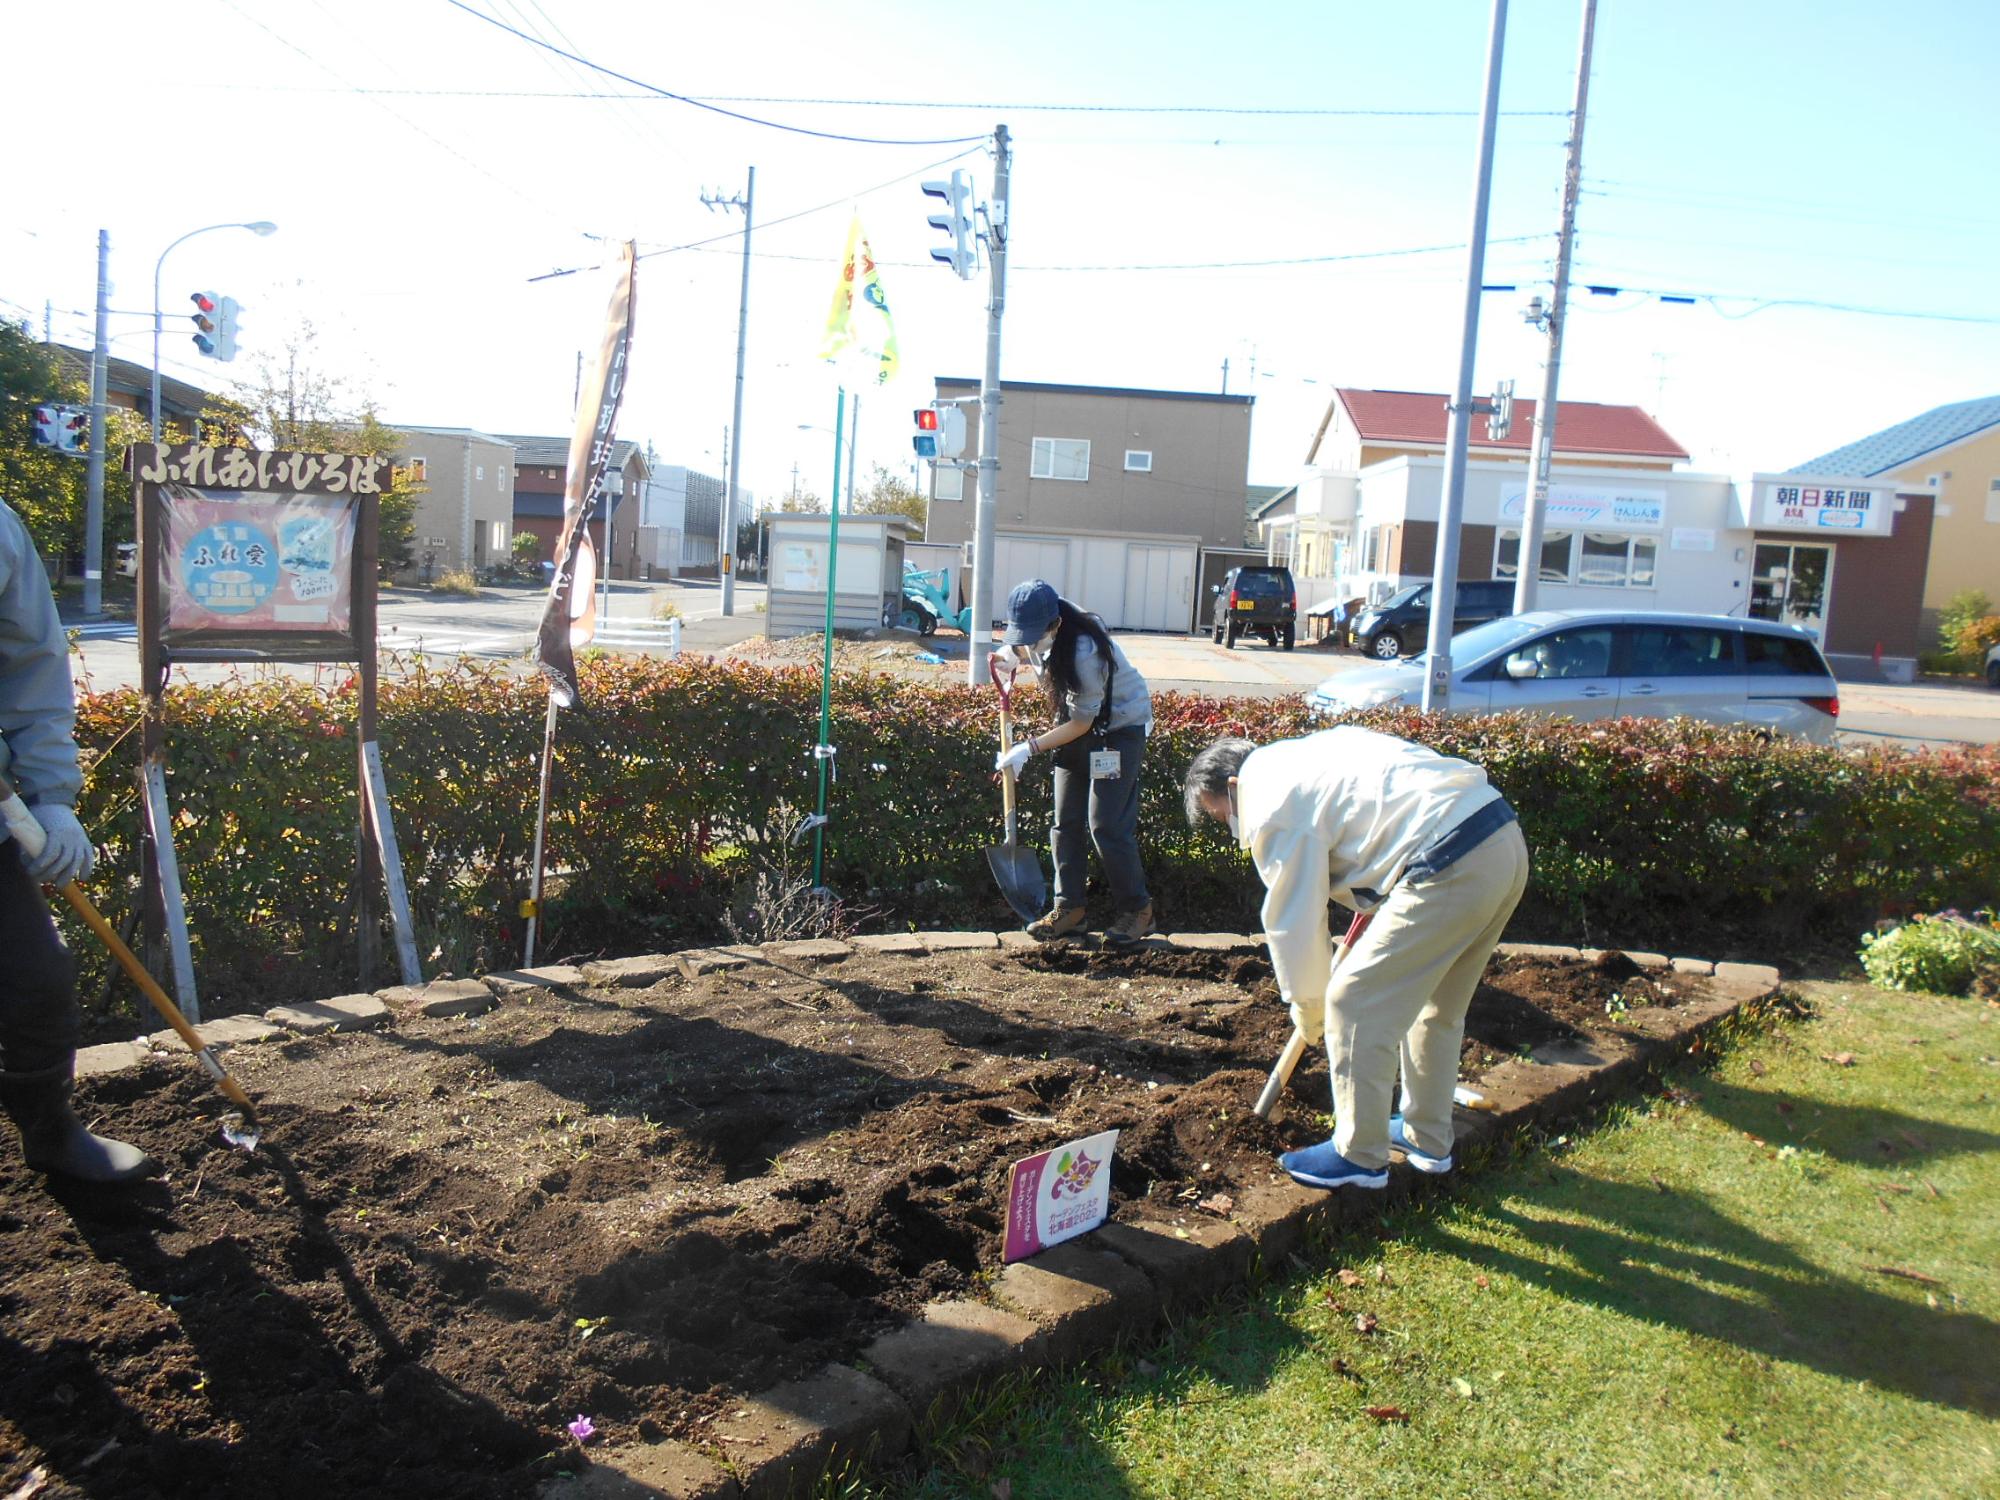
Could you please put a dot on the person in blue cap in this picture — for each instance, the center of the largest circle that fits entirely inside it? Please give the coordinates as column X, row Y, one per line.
column 1103, row 713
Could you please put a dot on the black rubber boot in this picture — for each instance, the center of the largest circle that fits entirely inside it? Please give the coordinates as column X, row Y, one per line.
column 53, row 1138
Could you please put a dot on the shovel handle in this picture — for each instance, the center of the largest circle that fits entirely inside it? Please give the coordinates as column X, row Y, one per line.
column 1288, row 1060
column 1007, row 777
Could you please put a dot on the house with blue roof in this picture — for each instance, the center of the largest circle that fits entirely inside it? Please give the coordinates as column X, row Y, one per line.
column 1953, row 453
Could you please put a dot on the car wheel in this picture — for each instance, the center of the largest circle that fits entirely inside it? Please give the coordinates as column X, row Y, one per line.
column 1228, row 636
column 1385, row 646
column 1993, row 674
column 1289, row 638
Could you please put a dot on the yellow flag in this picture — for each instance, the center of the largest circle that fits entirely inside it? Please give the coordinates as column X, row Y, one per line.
column 859, row 330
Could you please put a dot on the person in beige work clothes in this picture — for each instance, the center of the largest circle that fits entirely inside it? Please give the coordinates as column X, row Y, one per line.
column 1427, row 845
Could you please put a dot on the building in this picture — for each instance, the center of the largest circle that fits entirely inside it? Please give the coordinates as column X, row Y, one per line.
column 683, row 513
column 1625, row 526
column 540, row 471
column 130, row 385
column 1109, row 494
column 465, row 515
column 1953, row 453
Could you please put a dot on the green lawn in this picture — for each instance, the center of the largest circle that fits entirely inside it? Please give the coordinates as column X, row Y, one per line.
column 1682, row 1300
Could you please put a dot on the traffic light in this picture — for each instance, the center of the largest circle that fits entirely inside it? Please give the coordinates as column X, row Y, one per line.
column 75, row 435
column 207, row 306
column 225, row 329
column 48, row 426
column 926, row 439
column 955, row 221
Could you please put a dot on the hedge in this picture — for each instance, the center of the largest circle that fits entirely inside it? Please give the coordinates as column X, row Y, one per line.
column 678, row 781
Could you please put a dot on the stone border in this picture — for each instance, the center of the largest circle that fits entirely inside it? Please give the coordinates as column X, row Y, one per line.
column 1067, row 1304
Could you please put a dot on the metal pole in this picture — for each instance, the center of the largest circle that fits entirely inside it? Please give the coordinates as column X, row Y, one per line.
column 93, row 504
column 1527, row 577
column 1444, row 577
column 853, row 433
column 823, row 746
column 541, row 830
column 981, row 644
column 259, row 227
column 727, row 539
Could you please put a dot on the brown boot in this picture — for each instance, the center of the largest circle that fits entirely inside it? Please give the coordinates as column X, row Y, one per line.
column 1061, row 922
column 53, row 1139
column 1130, row 927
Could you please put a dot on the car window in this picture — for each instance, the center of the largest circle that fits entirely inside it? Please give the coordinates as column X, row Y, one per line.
column 1482, row 640
column 1780, row 656
column 1260, row 583
column 1403, row 596
column 1486, row 595
column 1583, row 651
column 1679, row 651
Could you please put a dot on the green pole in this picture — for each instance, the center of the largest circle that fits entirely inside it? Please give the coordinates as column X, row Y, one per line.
column 822, row 751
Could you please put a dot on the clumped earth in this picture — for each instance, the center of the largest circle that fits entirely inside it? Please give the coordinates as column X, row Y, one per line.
column 459, row 1235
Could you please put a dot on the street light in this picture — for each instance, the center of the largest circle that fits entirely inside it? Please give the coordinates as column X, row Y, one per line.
column 259, row 227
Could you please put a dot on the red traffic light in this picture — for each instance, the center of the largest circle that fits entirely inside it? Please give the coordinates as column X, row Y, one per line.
column 926, row 419
column 203, row 301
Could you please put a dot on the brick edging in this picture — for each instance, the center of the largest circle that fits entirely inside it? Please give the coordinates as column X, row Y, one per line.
column 1069, row 1303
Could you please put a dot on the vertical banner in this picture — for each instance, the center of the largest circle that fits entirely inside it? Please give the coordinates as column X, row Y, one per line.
column 860, row 334
column 569, row 620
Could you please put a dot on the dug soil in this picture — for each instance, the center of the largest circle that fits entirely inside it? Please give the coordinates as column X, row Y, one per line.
column 458, row 1236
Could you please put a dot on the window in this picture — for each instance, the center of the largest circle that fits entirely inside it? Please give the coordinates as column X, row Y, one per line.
column 1557, row 563
column 416, row 468
column 1614, row 560
column 947, row 483
column 1993, row 502
column 1680, row 651
column 479, row 472
column 1583, row 652
column 1779, row 656
column 1138, row 460
column 499, row 542
column 1060, row 458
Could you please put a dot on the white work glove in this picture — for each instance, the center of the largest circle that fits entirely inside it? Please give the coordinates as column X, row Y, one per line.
column 1013, row 759
column 67, row 855
column 1310, row 1020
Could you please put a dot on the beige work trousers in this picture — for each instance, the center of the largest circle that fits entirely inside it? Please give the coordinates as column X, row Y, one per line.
column 1402, row 993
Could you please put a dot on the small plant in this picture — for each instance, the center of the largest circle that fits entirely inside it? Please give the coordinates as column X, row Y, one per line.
column 456, row 581
column 666, row 609
column 1945, row 954
column 1617, row 1005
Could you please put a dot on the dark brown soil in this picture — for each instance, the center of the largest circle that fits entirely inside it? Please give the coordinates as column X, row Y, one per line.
column 459, row 1235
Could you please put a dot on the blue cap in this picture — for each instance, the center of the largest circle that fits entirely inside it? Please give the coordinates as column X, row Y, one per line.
column 1031, row 609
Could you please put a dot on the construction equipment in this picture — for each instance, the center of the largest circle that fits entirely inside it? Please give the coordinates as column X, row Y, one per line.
column 927, row 602
column 1018, row 870
column 27, row 832
column 1295, row 1049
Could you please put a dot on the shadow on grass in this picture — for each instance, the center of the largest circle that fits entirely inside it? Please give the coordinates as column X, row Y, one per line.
column 1854, row 1134
column 1673, row 1258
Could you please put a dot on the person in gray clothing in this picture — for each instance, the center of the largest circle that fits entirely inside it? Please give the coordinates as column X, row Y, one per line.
column 1104, row 712
column 39, row 1020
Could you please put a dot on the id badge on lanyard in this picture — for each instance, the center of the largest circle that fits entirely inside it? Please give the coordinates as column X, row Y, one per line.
column 1106, row 765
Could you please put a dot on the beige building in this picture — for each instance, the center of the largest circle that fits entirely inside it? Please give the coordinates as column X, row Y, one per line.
column 465, row 517
column 1111, row 495
column 1953, row 453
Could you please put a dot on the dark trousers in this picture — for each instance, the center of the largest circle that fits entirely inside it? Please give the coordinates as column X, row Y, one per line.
column 39, row 1020
column 1104, row 813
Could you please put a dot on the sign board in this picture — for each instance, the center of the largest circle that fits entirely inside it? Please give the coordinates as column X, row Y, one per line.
column 1058, row 1195
column 1693, row 539
column 1589, row 507
column 1825, row 505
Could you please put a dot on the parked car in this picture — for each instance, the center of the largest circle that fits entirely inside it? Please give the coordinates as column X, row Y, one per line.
column 1400, row 624
column 128, row 560
column 1993, row 666
column 1255, row 601
column 1601, row 664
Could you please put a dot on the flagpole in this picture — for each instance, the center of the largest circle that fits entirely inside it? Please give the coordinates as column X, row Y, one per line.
column 534, row 904
column 823, row 750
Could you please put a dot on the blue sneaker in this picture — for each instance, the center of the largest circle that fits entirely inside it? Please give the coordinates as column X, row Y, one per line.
column 1323, row 1167
column 1417, row 1158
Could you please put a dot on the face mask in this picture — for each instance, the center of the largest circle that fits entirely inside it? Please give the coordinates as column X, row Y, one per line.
column 1039, row 652
column 1234, row 821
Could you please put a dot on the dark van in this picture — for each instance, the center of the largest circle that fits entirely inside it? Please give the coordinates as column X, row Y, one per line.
column 1400, row 624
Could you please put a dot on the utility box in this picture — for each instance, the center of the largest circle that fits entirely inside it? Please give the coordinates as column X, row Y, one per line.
column 867, row 574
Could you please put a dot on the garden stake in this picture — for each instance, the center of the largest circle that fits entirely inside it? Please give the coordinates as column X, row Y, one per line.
column 1295, row 1049
column 1017, row 870
column 29, row 835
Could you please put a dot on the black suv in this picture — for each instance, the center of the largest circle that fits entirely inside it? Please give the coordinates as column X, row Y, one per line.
column 1255, row 601
column 1400, row 624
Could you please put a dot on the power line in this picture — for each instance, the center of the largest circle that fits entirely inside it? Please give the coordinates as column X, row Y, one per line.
column 651, row 88
column 1762, row 304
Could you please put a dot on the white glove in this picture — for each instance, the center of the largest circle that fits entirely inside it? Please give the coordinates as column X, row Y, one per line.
column 1310, row 1020
column 67, row 855
column 1013, row 759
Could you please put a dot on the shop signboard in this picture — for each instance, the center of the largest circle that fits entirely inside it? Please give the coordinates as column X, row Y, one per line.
column 1826, row 505
column 1589, row 507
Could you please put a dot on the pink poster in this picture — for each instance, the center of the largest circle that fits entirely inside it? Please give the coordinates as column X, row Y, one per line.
column 1058, row 1195
column 257, row 561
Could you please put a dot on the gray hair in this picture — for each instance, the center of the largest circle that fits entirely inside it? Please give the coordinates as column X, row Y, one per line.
column 1210, row 773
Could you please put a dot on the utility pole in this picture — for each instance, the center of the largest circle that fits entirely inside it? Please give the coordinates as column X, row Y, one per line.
column 1225, row 377
column 1528, row 573
column 981, row 644
column 1444, row 577
column 93, row 503
column 726, row 532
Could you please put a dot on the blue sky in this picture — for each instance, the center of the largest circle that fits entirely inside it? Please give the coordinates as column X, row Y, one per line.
column 1751, row 155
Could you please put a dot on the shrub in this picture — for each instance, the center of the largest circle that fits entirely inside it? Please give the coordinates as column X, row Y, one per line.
column 1943, row 954
column 526, row 550
column 670, row 781
column 1976, row 637
column 666, row 609
column 455, row 581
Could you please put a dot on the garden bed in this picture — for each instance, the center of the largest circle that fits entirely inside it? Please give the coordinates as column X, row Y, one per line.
column 640, row 1204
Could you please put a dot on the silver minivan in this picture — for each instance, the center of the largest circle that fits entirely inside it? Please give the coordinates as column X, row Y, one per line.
column 1602, row 664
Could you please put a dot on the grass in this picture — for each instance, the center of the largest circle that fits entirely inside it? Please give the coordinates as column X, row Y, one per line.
column 1682, row 1300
